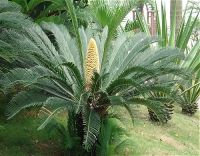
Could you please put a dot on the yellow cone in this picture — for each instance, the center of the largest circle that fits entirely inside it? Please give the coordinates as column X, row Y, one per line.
column 91, row 63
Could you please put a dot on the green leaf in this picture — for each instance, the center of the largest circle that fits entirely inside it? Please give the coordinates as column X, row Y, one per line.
column 154, row 105
column 23, row 100
column 116, row 100
column 164, row 25
column 92, row 123
column 120, row 84
column 74, row 72
column 173, row 28
column 142, row 23
column 71, row 9
column 49, row 118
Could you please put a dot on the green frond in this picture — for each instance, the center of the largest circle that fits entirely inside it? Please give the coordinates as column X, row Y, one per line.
column 49, row 118
column 24, row 99
column 116, row 100
column 120, row 84
column 165, row 53
column 59, row 83
column 74, row 73
column 111, row 128
column 137, row 69
column 21, row 76
column 104, row 15
column 9, row 6
column 191, row 59
column 162, row 88
column 161, row 111
column 126, row 54
column 142, row 23
column 82, row 102
column 72, row 13
column 54, row 105
column 10, row 16
column 52, row 89
column 131, row 25
column 63, row 42
column 92, row 124
column 128, row 108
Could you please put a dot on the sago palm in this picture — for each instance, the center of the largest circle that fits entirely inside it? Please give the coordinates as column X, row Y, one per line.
column 181, row 40
column 189, row 90
column 63, row 72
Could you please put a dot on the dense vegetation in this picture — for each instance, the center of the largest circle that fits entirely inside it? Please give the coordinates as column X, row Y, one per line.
column 77, row 72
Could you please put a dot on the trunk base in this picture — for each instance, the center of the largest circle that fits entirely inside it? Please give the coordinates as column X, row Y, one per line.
column 190, row 109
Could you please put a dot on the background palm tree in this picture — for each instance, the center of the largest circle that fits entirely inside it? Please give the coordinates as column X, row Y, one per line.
column 180, row 39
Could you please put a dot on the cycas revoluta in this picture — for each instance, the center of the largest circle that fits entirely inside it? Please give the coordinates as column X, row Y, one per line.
column 55, row 78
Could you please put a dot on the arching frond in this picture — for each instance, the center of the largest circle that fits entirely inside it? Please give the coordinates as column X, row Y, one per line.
column 112, row 17
column 52, row 106
column 92, row 123
column 11, row 17
column 154, row 105
column 23, row 100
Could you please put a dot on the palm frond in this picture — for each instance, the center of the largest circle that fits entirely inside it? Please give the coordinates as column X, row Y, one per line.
column 110, row 17
column 120, row 84
column 54, row 105
column 74, row 73
column 92, row 123
column 111, row 129
column 72, row 13
column 23, row 100
column 10, row 16
column 126, row 52
column 154, row 105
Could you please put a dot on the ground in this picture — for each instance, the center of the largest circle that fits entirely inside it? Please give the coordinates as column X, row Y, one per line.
column 179, row 137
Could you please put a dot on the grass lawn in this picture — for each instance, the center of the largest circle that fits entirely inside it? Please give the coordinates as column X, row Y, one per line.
column 179, row 137
column 19, row 137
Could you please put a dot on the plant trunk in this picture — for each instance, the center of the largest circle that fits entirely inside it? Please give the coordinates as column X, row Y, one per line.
column 190, row 109
column 79, row 126
column 167, row 114
column 152, row 116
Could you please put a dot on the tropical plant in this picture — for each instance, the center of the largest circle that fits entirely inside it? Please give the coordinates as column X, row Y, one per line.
column 55, row 11
column 168, row 38
column 106, row 13
column 182, row 40
column 112, row 131
column 77, row 74
column 190, row 89
column 189, row 95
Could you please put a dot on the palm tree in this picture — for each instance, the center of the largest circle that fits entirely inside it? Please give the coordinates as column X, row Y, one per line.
column 76, row 74
column 189, row 91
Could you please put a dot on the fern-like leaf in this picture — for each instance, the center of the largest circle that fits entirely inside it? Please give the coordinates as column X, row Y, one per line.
column 92, row 124
column 24, row 99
